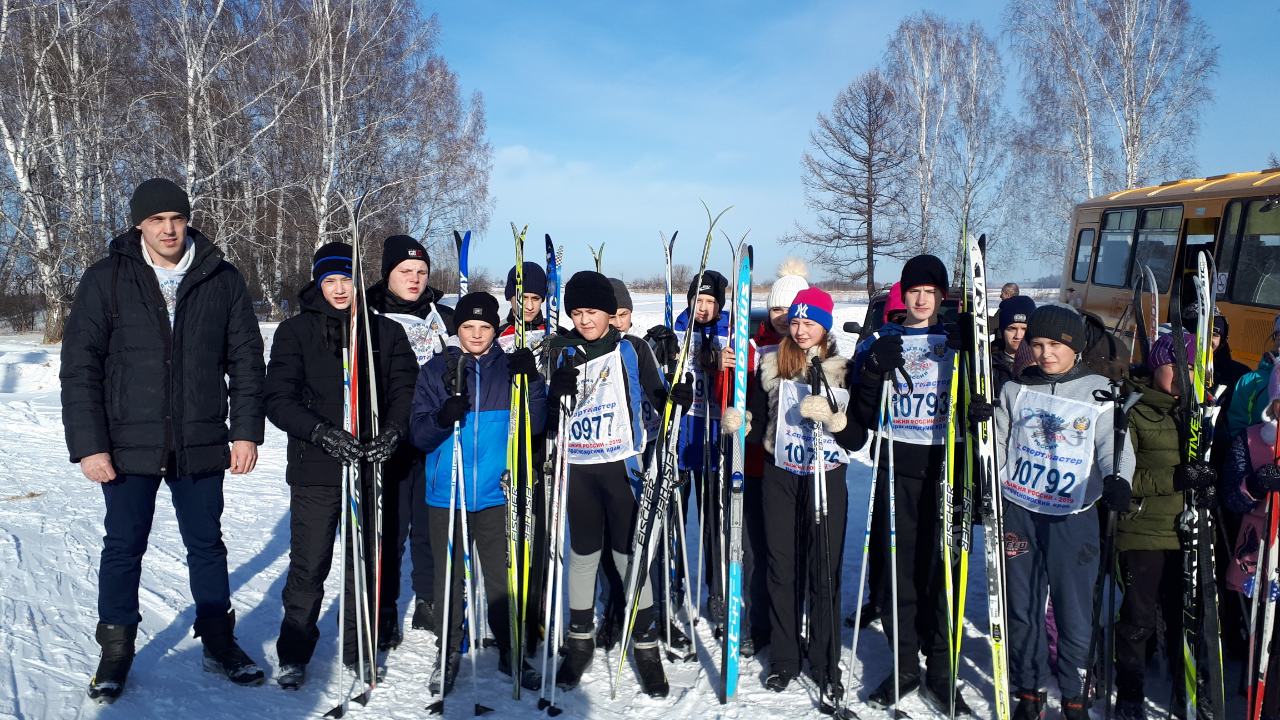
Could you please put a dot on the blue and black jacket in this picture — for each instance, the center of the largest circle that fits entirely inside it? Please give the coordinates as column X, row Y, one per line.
column 486, row 426
column 691, row 426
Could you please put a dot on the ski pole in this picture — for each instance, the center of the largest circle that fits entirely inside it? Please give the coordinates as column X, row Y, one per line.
column 455, row 472
column 468, row 588
column 829, row 587
column 893, row 562
column 881, row 420
column 343, row 522
column 554, row 552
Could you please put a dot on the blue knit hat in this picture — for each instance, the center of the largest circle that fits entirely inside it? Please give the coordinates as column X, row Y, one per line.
column 1016, row 309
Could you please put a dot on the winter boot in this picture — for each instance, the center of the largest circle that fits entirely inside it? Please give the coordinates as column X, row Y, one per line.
column 424, row 615
column 444, row 674
column 389, row 633
column 291, row 676
column 830, row 695
column 648, row 661
column 1075, row 708
column 113, row 667
column 747, row 647
column 578, row 650
column 221, row 653
column 530, row 679
column 778, row 679
column 679, row 649
column 882, row 697
column 1131, row 710
column 934, row 693
column 1030, row 705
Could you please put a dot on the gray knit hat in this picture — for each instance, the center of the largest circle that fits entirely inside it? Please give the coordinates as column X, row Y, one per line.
column 621, row 294
column 1057, row 322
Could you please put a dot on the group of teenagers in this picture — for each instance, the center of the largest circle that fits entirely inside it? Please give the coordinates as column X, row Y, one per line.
column 164, row 380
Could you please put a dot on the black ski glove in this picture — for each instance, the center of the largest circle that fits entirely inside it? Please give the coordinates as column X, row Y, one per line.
column 336, row 443
column 1194, row 475
column 883, row 356
column 382, row 447
column 1265, row 479
column 663, row 341
column 522, row 362
column 1116, row 493
column 979, row 410
column 564, row 381
column 453, row 410
column 960, row 335
column 682, row 393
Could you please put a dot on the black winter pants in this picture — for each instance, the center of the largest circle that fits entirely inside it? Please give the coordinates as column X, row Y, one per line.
column 601, row 516
column 1152, row 578
column 487, row 530
column 315, row 512
column 131, row 506
column 795, row 565
column 922, row 602
column 410, row 511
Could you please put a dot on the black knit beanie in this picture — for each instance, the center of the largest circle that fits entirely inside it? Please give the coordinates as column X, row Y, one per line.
column 331, row 259
column 1016, row 309
column 924, row 270
column 621, row 294
column 713, row 284
column 155, row 196
column 476, row 306
column 589, row 290
column 1057, row 322
column 535, row 280
column 398, row 248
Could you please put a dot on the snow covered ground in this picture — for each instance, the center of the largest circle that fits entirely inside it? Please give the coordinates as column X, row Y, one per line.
column 49, row 548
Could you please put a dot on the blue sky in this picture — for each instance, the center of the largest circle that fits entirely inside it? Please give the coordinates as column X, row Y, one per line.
column 611, row 120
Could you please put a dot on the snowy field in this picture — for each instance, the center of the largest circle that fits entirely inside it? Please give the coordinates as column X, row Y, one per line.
column 49, row 549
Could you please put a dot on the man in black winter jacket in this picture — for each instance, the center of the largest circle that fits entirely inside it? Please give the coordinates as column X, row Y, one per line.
column 162, row 349
column 304, row 398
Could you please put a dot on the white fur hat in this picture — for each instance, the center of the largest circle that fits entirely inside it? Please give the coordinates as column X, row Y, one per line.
column 791, row 280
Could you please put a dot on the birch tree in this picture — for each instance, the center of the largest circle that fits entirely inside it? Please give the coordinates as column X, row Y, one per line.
column 976, row 142
column 920, row 64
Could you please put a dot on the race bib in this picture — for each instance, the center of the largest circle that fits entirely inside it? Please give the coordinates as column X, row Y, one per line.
column 426, row 335
column 600, row 429
column 920, row 416
column 793, row 440
column 703, row 393
column 532, row 340
column 1050, row 452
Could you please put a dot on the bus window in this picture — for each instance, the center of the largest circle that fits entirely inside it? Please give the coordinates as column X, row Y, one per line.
column 1227, row 246
column 1257, row 269
column 1084, row 255
column 1158, row 243
column 1112, row 264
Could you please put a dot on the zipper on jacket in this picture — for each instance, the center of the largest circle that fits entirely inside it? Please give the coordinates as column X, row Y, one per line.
column 475, row 437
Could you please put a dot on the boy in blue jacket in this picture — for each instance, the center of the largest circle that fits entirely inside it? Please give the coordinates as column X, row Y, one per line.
column 481, row 404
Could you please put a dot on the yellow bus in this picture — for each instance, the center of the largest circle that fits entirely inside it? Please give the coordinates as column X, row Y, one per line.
column 1235, row 216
